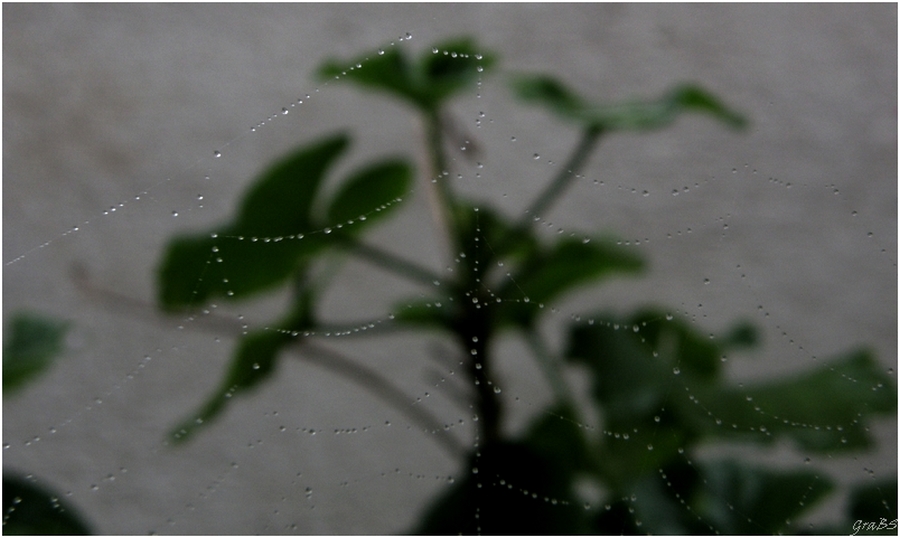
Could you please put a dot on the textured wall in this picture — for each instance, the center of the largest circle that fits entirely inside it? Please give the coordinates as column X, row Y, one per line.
column 106, row 102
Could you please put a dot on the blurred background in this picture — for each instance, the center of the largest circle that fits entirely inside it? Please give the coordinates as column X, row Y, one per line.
column 112, row 114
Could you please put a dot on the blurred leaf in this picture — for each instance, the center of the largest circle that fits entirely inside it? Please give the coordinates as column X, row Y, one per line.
column 254, row 361
column 633, row 115
column 874, row 502
column 634, row 365
column 487, row 237
column 280, row 202
column 453, row 68
column 424, row 84
column 558, row 436
column 370, row 194
column 822, row 410
column 389, row 71
column 737, row 498
column 507, row 489
column 426, row 313
column 549, row 273
column 742, row 335
column 29, row 509
column 266, row 243
column 33, row 343
column 633, row 360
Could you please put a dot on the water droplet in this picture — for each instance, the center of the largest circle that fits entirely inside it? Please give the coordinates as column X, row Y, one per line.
column 284, row 110
column 676, row 370
column 217, row 153
column 256, row 366
column 496, row 390
column 174, row 213
column 536, row 156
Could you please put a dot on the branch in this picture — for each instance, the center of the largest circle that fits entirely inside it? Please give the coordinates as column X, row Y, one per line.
column 381, row 388
column 550, row 365
column 390, row 261
column 555, row 189
column 331, row 360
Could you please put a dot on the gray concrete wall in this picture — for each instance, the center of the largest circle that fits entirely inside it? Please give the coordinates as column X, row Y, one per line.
column 103, row 103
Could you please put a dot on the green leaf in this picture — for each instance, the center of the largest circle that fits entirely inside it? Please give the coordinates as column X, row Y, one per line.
column 424, row 84
column 874, row 502
column 264, row 246
column 549, row 273
column 452, row 69
column 280, row 202
column 427, row 313
column 389, row 72
column 254, row 361
column 558, row 435
column 640, row 115
column 496, row 494
column 29, row 509
column 822, row 410
column 633, row 371
column 370, row 194
column 741, row 499
column 33, row 343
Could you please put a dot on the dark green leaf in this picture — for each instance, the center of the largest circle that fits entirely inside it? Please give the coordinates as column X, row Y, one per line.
column 496, row 494
column 264, row 246
column 632, row 115
column 33, row 343
column 547, row 91
column 280, row 202
column 628, row 381
column 254, row 362
column 424, row 84
column 740, row 499
column 558, row 436
column 823, row 410
column 874, row 502
column 389, row 72
column 427, row 313
column 370, row 194
column 29, row 509
column 453, row 68
column 549, row 273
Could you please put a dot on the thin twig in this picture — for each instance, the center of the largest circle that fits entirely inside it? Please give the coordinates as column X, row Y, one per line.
column 390, row 261
column 382, row 388
column 554, row 189
column 440, row 196
column 549, row 364
column 318, row 354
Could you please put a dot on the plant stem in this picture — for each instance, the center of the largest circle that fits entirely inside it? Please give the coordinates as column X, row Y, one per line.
column 391, row 262
column 589, row 138
column 440, row 195
column 383, row 389
column 550, row 365
column 569, row 171
column 475, row 337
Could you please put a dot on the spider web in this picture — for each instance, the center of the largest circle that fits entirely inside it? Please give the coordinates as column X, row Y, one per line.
column 112, row 159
